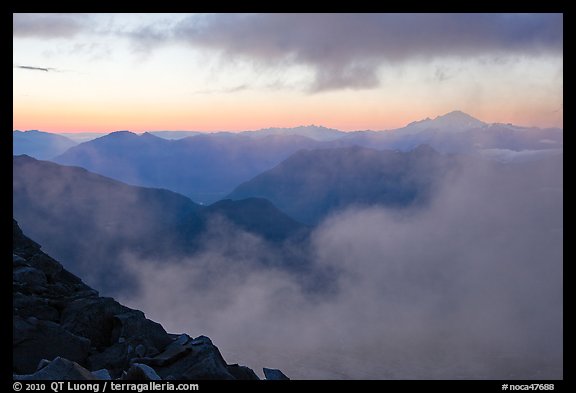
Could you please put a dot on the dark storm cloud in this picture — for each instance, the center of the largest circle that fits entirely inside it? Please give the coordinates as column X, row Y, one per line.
column 345, row 50
column 48, row 25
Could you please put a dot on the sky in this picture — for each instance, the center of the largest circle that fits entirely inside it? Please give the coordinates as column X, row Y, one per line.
column 233, row 72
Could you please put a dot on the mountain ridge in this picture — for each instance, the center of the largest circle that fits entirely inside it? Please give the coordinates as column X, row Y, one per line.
column 42, row 145
column 82, row 216
column 451, row 121
column 202, row 167
column 311, row 184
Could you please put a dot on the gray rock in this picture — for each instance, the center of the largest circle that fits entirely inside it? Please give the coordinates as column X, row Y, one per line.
column 83, row 293
column 273, row 374
column 171, row 353
column 133, row 325
column 59, row 369
column 17, row 261
column 140, row 350
column 141, row 372
column 242, row 372
column 34, row 340
column 29, row 275
column 202, row 361
column 92, row 318
column 102, row 374
column 43, row 363
column 43, row 262
column 114, row 358
column 181, row 340
column 32, row 305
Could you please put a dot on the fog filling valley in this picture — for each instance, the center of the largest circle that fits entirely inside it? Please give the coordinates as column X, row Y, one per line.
column 468, row 287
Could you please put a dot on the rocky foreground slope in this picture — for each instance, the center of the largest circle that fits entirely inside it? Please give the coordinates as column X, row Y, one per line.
column 62, row 329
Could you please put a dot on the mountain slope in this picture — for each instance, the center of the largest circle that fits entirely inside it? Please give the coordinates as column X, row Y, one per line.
column 38, row 144
column 83, row 218
column 313, row 183
column 458, row 132
column 450, row 122
column 202, row 167
column 91, row 222
column 60, row 320
column 260, row 216
column 207, row 167
column 81, row 137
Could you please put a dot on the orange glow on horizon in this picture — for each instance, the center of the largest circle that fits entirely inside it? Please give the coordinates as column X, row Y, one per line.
column 249, row 111
column 88, row 121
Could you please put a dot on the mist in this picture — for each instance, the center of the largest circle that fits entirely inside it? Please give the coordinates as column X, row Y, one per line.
column 469, row 287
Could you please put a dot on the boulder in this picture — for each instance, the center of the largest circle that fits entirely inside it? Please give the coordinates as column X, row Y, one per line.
column 37, row 306
column 115, row 358
column 102, row 374
column 202, row 361
column 133, row 326
column 242, row 372
column 59, row 370
column 273, row 374
column 141, row 372
column 29, row 276
column 43, row 262
column 92, row 318
column 106, row 322
column 171, row 353
column 34, row 340
column 18, row 261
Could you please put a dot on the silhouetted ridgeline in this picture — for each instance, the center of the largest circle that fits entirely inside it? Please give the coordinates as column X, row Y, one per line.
column 63, row 330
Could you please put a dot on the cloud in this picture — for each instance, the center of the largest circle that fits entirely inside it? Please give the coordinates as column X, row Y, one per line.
column 468, row 288
column 507, row 155
column 30, row 68
column 47, row 26
column 345, row 50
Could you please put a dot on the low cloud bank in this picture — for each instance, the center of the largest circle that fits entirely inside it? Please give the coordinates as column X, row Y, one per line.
column 470, row 287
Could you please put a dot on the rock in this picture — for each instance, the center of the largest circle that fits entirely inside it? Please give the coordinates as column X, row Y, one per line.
column 133, row 325
column 18, row 261
column 34, row 340
column 43, row 363
column 29, row 275
column 37, row 306
column 140, row 350
column 22, row 245
column 141, row 372
column 201, row 340
column 43, row 262
column 106, row 322
column 273, row 374
column 242, row 372
column 181, row 340
column 60, row 370
column 171, row 353
column 102, row 374
column 80, row 294
column 56, row 316
column 203, row 361
column 114, row 358
column 92, row 318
